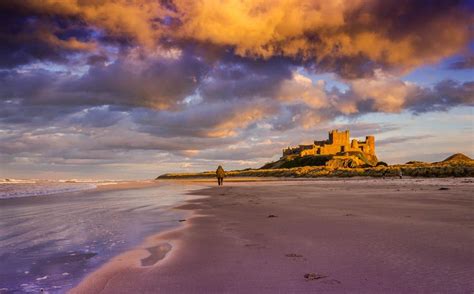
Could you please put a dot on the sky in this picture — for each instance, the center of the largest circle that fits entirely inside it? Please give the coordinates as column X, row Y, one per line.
column 131, row 89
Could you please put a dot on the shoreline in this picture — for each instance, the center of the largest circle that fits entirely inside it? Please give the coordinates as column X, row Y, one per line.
column 163, row 273
column 126, row 185
column 81, row 231
column 96, row 281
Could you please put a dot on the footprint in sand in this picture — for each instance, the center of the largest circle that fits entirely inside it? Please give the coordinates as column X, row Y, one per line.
column 331, row 282
column 314, row 276
column 157, row 253
column 256, row 246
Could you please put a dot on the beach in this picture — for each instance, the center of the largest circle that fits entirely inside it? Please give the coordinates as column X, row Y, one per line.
column 316, row 236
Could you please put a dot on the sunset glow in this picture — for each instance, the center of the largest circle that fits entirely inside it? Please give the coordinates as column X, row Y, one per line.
column 132, row 89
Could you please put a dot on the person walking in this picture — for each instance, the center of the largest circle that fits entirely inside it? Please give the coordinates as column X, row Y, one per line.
column 220, row 173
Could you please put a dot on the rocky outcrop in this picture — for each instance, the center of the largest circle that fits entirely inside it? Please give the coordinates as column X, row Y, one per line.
column 343, row 159
column 297, row 161
column 344, row 162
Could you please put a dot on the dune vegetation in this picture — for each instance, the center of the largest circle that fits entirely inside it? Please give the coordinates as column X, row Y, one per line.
column 457, row 165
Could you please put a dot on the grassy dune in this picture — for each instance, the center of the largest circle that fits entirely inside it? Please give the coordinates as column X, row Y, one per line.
column 439, row 169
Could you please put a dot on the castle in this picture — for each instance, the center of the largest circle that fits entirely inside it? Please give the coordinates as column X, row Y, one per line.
column 338, row 143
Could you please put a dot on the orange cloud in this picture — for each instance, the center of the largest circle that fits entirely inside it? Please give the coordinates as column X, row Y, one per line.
column 318, row 30
column 392, row 33
column 300, row 89
column 388, row 92
column 237, row 120
column 133, row 19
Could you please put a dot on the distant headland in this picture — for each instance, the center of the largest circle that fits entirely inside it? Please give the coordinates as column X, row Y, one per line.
column 339, row 156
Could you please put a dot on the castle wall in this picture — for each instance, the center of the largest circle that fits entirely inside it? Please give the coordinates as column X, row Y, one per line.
column 308, row 152
column 331, row 149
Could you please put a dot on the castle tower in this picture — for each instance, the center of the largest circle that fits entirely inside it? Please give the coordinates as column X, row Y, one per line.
column 339, row 138
column 371, row 144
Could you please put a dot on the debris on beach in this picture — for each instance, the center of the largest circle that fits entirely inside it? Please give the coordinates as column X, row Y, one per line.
column 293, row 255
column 443, row 189
column 182, row 220
column 272, row 215
column 314, row 276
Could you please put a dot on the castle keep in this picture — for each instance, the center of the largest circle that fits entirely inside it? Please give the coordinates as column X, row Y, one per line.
column 338, row 143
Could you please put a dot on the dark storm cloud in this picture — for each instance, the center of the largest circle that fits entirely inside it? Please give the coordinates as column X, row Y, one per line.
column 444, row 95
column 25, row 85
column 156, row 83
column 348, row 67
column 27, row 37
column 466, row 62
column 245, row 78
column 132, row 89
column 97, row 59
column 221, row 119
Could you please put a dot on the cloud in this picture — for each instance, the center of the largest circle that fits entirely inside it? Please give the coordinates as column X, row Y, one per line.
column 351, row 38
column 301, row 89
column 217, row 120
column 85, row 142
column 441, row 97
column 466, row 62
column 385, row 93
column 95, row 117
column 209, row 80
column 402, row 139
column 390, row 32
column 157, row 82
column 28, row 37
column 160, row 81
column 165, row 97
column 240, row 78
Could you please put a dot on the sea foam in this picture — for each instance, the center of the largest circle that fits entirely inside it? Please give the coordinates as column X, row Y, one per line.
column 27, row 188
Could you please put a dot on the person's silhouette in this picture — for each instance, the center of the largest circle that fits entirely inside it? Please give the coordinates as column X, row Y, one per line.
column 220, row 173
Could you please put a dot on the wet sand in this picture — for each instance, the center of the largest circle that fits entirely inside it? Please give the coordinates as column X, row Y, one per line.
column 51, row 242
column 321, row 236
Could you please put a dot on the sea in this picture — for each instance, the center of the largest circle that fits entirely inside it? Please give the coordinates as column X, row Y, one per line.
column 54, row 233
